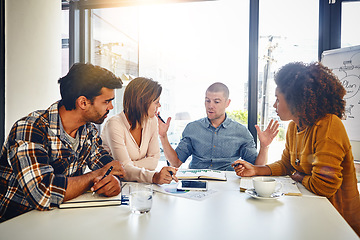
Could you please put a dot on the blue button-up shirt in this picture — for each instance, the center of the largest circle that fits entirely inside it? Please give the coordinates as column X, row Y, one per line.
column 216, row 148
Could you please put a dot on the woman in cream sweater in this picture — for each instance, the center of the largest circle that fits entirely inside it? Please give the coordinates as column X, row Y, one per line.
column 317, row 150
column 131, row 137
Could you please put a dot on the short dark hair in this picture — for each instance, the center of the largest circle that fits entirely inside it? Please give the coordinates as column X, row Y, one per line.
column 138, row 96
column 85, row 79
column 311, row 91
column 219, row 87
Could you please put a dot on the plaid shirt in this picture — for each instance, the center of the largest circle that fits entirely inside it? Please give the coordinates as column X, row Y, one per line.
column 37, row 158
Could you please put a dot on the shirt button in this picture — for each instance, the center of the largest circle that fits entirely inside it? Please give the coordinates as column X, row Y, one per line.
column 214, row 145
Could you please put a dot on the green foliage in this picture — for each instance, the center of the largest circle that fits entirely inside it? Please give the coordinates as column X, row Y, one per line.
column 281, row 134
column 239, row 116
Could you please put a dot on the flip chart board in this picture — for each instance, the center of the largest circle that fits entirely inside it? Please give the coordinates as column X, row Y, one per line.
column 345, row 63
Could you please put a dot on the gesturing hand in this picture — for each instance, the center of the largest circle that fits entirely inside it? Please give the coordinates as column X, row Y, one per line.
column 267, row 136
column 163, row 127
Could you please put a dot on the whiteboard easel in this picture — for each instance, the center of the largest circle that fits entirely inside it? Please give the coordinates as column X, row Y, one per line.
column 345, row 63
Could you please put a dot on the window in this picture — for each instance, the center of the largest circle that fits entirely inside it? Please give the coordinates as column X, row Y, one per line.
column 184, row 46
column 187, row 46
column 285, row 35
column 65, row 39
column 350, row 18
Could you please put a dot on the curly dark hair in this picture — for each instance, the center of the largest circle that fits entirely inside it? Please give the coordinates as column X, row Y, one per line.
column 85, row 79
column 138, row 96
column 311, row 91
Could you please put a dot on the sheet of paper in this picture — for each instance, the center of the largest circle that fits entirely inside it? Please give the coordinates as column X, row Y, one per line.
column 171, row 189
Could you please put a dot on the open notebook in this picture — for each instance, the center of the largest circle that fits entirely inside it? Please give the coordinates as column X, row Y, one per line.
column 201, row 174
column 88, row 200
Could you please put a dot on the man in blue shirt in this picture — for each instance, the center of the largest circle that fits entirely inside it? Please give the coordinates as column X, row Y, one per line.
column 216, row 141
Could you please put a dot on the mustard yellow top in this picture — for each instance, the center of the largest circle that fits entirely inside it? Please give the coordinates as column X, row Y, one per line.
column 326, row 158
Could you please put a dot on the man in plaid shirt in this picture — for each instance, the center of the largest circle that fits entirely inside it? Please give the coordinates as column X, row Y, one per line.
column 43, row 160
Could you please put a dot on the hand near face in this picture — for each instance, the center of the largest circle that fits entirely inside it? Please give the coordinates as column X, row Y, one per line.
column 163, row 127
column 267, row 136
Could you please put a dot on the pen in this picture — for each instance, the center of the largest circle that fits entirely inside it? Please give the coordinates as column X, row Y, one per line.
column 158, row 115
column 236, row 164
column 172, row 174
column 105, row 175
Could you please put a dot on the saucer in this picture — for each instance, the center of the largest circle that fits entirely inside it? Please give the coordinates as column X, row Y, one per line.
column 253, row 194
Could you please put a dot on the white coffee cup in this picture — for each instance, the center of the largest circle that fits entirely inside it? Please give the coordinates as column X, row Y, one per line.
column 141, row 196
column 265, row 186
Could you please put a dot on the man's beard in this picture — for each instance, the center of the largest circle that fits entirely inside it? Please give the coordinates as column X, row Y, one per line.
column 102, row 119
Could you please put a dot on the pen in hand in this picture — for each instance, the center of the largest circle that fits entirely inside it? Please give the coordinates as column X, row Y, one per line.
column 158, row 115
column 173, row 175
column 236, row 164
column 105, row 175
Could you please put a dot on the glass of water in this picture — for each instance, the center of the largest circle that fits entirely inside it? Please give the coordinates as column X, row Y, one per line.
column 141, row 196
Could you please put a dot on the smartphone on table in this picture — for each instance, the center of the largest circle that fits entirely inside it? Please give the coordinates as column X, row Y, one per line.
column 192, row 185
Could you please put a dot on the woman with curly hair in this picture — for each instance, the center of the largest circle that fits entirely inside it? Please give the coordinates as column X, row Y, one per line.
column 132, row 135
column 317, row 151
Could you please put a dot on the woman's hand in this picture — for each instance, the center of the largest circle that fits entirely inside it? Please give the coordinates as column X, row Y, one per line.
column 166, row 175
column 267, row 136
column 243, row 168
column 298, row 176
column 163, row 127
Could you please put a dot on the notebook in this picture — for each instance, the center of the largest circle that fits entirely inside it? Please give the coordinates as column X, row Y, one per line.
column 203, row 174
column 87, row 199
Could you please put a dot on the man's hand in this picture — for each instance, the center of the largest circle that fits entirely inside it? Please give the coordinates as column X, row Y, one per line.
column 109, row 185
column 118, row 169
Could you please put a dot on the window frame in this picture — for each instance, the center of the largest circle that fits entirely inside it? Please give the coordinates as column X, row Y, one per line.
column 2, row 72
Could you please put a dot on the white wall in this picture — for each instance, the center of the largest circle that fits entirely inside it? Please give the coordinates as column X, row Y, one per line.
column 355, row 149
column 32, row 56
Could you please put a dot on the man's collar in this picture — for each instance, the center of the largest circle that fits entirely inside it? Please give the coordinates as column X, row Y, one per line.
column 225, row 123
column 54, row 118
